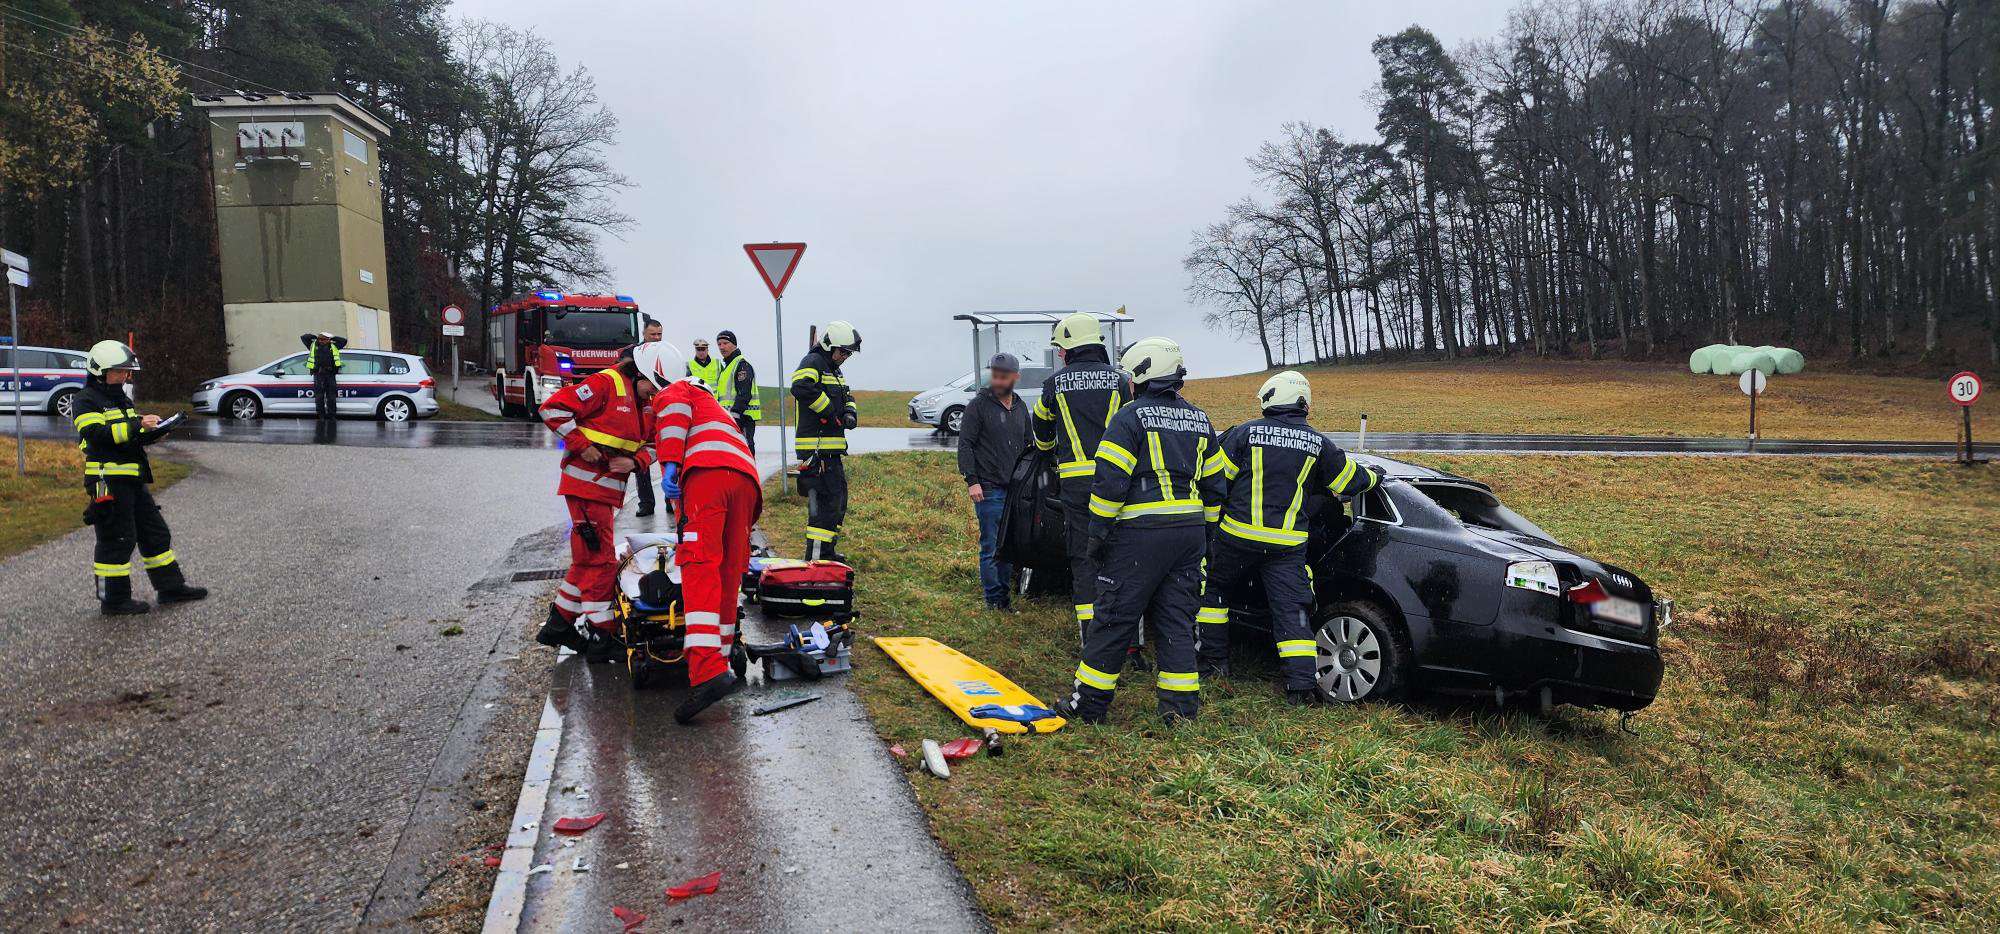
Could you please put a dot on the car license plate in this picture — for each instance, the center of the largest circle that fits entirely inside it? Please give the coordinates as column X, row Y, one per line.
column 1620, row 610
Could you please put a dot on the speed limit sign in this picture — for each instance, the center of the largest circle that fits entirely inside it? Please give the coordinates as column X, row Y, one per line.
column 1964, row 388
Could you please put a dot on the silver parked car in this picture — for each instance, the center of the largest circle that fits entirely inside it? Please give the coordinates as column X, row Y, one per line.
column 394, row 387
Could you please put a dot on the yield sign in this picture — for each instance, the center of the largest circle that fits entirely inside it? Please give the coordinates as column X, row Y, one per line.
column 775, row 262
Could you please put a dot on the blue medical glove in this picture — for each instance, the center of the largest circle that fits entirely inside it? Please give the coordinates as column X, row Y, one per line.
column 668, row 487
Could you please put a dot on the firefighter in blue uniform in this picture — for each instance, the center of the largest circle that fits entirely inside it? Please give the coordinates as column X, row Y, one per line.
column 1149, row 508
column 1076, row 404
column 1279, row 471
column 113, row 437
column 826, row 413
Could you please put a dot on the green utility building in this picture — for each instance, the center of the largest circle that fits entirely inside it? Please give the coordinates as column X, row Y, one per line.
column 298, row 211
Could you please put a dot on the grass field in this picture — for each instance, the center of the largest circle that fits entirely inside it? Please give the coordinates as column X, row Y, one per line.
column 48, row 502
column 880, row 408
column 1611, row 398
column 1824, row 753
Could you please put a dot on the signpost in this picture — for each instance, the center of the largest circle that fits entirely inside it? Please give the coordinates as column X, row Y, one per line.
column 1752, row 383
column 776, row 262
column 17, row 278
column 454, row 328
column 1964, row 388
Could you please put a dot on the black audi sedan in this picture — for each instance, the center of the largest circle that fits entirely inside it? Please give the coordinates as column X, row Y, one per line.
column 1430, row 583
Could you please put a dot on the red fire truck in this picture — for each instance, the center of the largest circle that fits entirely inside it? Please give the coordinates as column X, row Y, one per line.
column 545, row 340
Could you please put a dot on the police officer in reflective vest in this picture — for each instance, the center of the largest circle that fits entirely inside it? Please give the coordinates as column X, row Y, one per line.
column 323, row 362
column 826, row 412
column 116, row 471
column 1279, row 471
column 737, row 388
column 1077, row 403
column 1149, row 508
column 704, row 367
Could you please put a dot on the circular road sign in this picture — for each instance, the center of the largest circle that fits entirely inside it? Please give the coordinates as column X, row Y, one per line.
column 1752, row 382
column 1963, row 387
column 453, row 315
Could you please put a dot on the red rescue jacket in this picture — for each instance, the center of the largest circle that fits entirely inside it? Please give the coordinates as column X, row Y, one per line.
column 600, row 410
column 692, row 429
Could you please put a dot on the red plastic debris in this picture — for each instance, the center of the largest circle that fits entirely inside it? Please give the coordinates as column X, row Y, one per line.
column 492, row 861
column 578, row 824
column 898, row 751
column 706, row 885
column 631, row 919
column 960, row 749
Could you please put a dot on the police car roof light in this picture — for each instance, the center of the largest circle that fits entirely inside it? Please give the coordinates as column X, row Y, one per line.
column 549, row 296
column 627, row 299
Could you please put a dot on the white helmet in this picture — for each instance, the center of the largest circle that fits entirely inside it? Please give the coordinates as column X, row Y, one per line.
column 1077, row 330
column 1153, row 358
column 111, row 355
column 659, row 362
column 1287, row 388
column 839, row 335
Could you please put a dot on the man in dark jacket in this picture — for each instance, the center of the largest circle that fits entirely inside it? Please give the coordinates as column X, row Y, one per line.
column 323, row 362
column 990, row 440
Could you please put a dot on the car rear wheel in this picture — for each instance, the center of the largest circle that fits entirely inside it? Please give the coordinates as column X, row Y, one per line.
column 395, row 409
column 64, row 404
column 1359, row 655
column 242, row 406
column 953, row 420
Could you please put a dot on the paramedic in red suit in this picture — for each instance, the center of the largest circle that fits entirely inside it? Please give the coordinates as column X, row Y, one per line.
column 603, row 425
column 706, row 464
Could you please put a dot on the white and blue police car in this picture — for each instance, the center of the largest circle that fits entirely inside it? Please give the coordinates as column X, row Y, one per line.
column 393, row 387
column 50, row 378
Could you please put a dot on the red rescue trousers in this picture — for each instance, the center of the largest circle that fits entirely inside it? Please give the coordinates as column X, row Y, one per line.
column 718, row 505
column 586, row 591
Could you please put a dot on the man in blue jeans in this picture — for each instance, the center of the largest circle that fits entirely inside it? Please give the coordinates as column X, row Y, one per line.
column 990, row 439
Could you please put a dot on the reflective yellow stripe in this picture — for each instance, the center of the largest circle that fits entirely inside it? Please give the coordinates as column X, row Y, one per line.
column 1256, row 484
column 1108, row 508
column 1211, row 514
column 1117, row 456
column 819, row 404
column 1258, row 533
column 1295, row 648
column 1042, row 412
column 1172, row 507
column 819, row 535
column 1097, row 679
column 158, row 561
column 1069, row 426
column 112, row 570
column 1179, row 681
column 1048, row 445
column 834, row 443
column 1220, row 461
column 1340, row 479
column 1075, row 468
column 1160, row 466
column 805, row 373
column 609, row 441
column 831, row 379
column 89, row 420
column 1212, row 614
column 121, row 431
column 1086, row 612
column 1298, row 495
column 618, row 381
column 95, row 469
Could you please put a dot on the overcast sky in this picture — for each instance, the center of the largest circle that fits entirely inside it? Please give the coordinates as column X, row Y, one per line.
column 942, row 157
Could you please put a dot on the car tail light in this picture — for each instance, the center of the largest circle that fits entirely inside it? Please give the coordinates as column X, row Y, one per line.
column 1534, row 575
column 427, row 383
column 1590, row 591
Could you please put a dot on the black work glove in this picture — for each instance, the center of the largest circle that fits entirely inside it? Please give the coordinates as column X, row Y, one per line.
column 1379, row 474
column 850, row 419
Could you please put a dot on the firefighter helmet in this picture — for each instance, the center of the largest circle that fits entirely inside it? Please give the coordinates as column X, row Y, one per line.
column 660, row 363
column 839, row 335
column 111, row 355
column 1287, row 388
column 1153, row 358
column 1077, row 330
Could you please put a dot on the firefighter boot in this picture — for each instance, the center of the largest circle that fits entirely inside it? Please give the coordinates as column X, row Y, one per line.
column 1302, row 698
column 704, row 695
column 172, row 587
column 559, row 633
column 602, row 646
column 115, row 598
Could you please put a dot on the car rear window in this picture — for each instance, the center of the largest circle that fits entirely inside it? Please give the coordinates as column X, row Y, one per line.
column 1476, row 507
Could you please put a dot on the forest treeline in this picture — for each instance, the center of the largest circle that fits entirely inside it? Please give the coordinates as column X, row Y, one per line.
column 494, row 179
column 1635, row 179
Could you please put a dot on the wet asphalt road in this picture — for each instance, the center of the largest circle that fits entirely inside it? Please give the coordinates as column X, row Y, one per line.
column 521, row 434
column 261, row 761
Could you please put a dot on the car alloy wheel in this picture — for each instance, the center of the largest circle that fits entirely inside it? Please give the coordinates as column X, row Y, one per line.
column 396, row 410
column 954, row 419
column 1347, row 659
column 244, row 407
column 66, row 405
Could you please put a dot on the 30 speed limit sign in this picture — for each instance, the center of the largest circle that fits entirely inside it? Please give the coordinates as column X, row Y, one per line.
column 1964, row 388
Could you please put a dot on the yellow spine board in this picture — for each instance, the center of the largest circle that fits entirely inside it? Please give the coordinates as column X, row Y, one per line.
column 961, row 683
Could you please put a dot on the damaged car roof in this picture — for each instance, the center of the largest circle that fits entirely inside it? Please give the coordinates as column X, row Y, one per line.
column 1404, row 470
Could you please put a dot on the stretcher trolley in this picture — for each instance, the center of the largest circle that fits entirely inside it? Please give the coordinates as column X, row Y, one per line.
column 648, row 611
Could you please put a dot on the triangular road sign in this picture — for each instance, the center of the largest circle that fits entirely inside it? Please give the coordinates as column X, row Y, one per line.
column 775, row 262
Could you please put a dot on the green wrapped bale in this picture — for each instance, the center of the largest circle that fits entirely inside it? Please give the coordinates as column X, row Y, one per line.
column 1754, row 360
column 1790, row 361
column 1724, row 361
column 1703, row 359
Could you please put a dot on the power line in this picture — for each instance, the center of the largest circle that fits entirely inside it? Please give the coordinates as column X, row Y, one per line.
column 31, row 19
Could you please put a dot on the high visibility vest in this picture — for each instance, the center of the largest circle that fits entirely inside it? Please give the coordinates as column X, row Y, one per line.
column 706, row 372
column 312, row 355
column 726, row 391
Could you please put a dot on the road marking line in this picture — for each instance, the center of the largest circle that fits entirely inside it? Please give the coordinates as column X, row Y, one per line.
column 510, row 886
